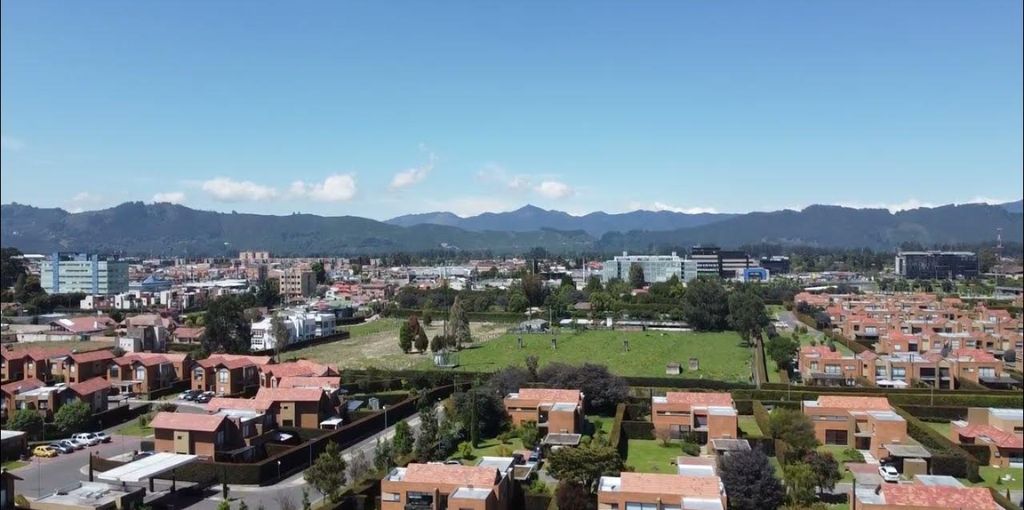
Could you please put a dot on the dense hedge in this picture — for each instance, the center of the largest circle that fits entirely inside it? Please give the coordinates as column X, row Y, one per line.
column 761, row 417
column 744, row 406
column 1003, row 501
column 937, row 413
column 947, row 458
column 615, row 436
column 993, row 399
column 978, row 451
column 638, row 429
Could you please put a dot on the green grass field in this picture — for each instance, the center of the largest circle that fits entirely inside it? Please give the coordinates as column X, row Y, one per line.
column 749, row 427
column 649, row 456
column 991, row 478
column 940, row 427
column 132, row 428
column 721, row 355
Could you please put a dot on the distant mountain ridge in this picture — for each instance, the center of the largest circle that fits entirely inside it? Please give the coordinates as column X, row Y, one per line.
column 530, row 217
column 166, row 229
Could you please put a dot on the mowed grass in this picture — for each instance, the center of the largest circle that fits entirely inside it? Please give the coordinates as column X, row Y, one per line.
column 80, row 345
column 649, row 456
column 749, row 427
column 721, row 355
column 940, row 427
column 372, row 327
column 991, row 477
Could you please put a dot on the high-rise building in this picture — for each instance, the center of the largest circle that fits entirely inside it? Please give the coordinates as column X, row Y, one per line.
column 937, row 264
column 65, row 273
column 296, row 282
column 777, row 264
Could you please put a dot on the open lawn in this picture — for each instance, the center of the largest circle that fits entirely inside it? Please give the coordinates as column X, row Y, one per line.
column 649, row 456
column 749, row 427
column 721, row 355
column 375, row 344
column 991, row 478
column 940, row 427
column 132, row 428
column 491, row 448
column 81, row 346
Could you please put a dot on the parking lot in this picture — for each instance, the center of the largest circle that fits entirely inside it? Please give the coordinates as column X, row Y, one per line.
column 45, row 475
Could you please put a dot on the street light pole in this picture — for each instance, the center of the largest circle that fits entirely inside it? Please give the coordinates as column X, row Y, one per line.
column 278, row 471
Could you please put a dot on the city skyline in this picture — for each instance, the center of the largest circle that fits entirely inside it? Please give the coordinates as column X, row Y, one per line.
column 358, row 110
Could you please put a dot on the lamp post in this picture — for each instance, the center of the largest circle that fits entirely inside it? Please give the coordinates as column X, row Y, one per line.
column 385, row 408
column 278, row 471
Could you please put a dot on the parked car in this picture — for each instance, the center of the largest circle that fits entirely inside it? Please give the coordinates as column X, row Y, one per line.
column 204, row 398
column 88, row 438
column 536, row 454
column 74, row 443
column 44, row 451
column 104, row 437
column 190, row 394
column 452, row 463
column 62, row 448
column 889, row 473
column 144, row 454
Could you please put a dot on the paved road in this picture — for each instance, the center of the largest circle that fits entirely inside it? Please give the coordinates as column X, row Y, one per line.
column 44, row 476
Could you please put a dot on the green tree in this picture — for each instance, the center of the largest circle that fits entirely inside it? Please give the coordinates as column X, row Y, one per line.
column 421, row 341
column 825, row 468
column 282, row 335
column 636, row 276
column 585, row 465
column 318, row 270
column 517, row 302
column 459, row 324
column 529, row 435
column 227, row 328
column 327, row 474
column 480, row 409
column 383, row 455
column 800, row 483
column 402, row 442
column 573, row 496
column 306, row 504
column 12, row 266
column 430, row 435
column 593, row 285
column 267, row 293
column 782, row 349
column 794, row 428
column 706, row 305
column 747, row 314
column 750, row 481
column 406, row 335
column 28, row 421
column 72, row 417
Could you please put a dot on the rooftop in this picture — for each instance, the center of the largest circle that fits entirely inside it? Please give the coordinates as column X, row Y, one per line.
column 187, row 421
column 547, row 395
column 85, row 494
column 446, row 474
column 937, row 496
column 663, row 484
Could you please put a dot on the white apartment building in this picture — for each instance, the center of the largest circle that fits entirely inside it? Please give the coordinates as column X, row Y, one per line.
column 302, row 327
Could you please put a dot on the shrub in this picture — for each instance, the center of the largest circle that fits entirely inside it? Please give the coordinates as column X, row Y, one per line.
column 691, row 449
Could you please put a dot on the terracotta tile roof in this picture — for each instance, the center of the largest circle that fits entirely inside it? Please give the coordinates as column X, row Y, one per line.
column 150, row 319
column 854, row 403
column 299, row 368
column 97, row 355
column 290, row 394
column 187, row 421
column 234, row 359
column 28, row 384
column 549, row 395
column 310, row 382
column 699, row 398
column 938, row 497
column 217, row 403
column 90, row 386
column 444, row 474
column 821, row 350
column 998, row 437
column 151, row 358
column 975, row 354
column 36, row 353
column 671, row 485
column 189, row 332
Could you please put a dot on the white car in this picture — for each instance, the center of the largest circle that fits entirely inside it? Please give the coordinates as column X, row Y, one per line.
column 889, row 474
column 88, row 438
column 73, row 444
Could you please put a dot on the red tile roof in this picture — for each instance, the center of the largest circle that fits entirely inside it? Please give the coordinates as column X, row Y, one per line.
column 854, row 403
column 233, row 360
column 549, row 395
column 97, row 355
column 998, row 437
column 90, row 386
column 28, row 384
column 299, row 368
column 36, row 353
column 189, row 332
column 290, row 394
column 938, row 497
column 151, row 358
column 217, row 403
column 699, row 398
column 187, row 421
column 444, row 474
column 671, row 485
column 823, row 351
column 333, row 382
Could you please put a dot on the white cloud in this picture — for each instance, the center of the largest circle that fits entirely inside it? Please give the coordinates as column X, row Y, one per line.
column 493, row 172
column 910, row 203
column 472, row 206
column 230, row 190
column 990, row 200
column 335, row 188
column 661, row 206
column 12, row 144
column 170, row 197
column 413, row 175
column 83, row 201
column 553, row 189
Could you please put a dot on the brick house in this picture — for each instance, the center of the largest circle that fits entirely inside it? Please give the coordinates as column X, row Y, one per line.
column 821, row 365
column 143, row 372
column 271, row 375
column 710, row 415
column 660, row 491
column 486, row 486
column 227, row 374
column 918, row 496
column 31, row 363
column 193, row 434
column 93, row 392
column 188, row 335
column 82, row 366
column 298, row 407
column 1002, row 430
column 863, row 423
column 553, row 410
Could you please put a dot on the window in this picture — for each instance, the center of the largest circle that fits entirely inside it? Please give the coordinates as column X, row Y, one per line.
column 899, row 373
column 222, row 376
column 641, row 506
column 44, row 404
column 814, row 366
column 140, row 373
column 197, row 374
column 987, row 372
column 832, row 369
column 837, row 437
column 115, row 372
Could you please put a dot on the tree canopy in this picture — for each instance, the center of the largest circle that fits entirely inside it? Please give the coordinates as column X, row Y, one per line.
column 706, row 305
column 227, row 328
column 750, row 481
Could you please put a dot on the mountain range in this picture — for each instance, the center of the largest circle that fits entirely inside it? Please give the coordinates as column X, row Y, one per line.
column 167, row 229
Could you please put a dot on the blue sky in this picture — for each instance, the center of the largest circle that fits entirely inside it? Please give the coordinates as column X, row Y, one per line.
column 372, row 110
